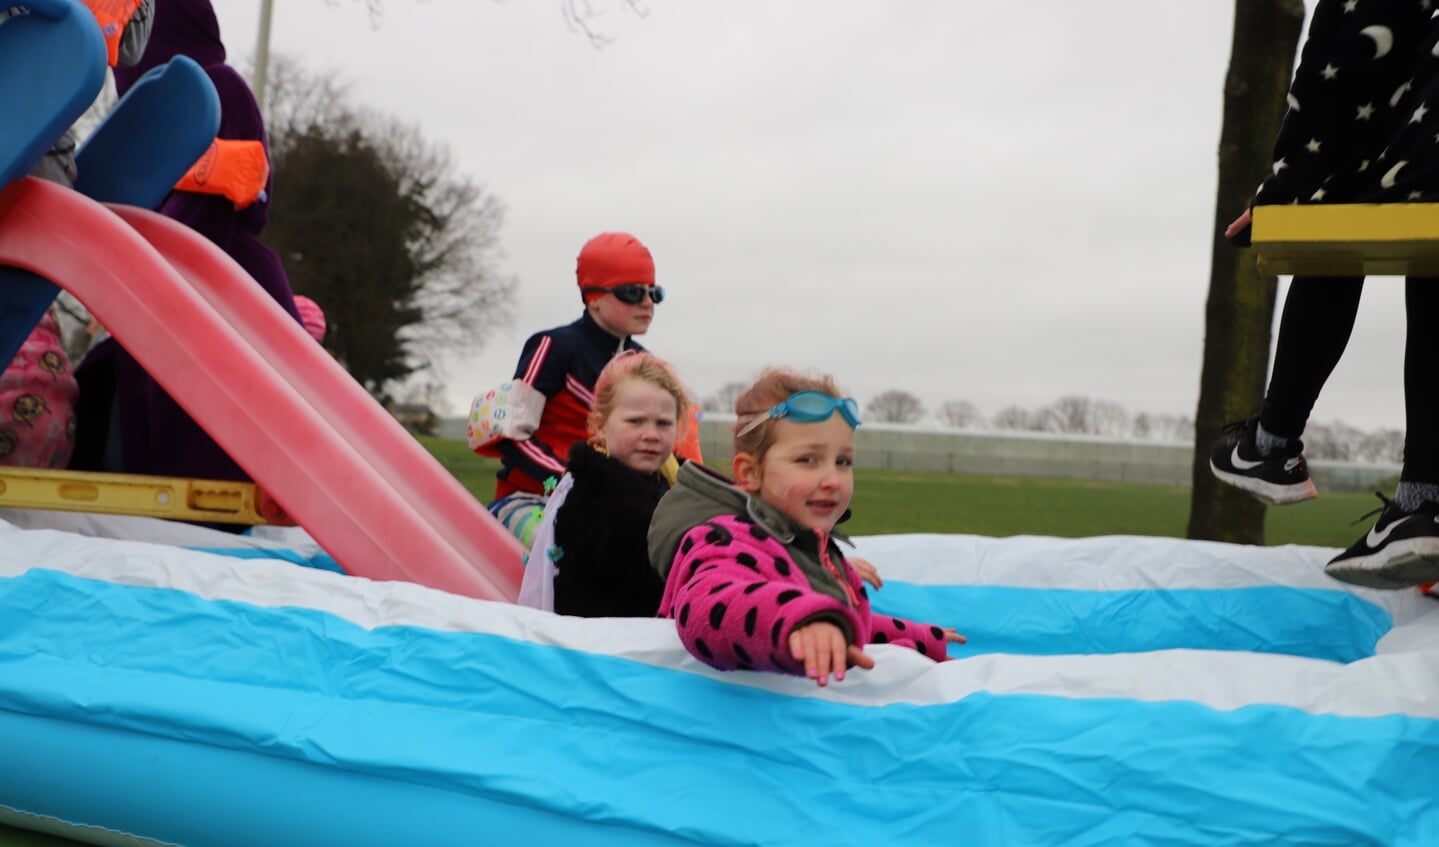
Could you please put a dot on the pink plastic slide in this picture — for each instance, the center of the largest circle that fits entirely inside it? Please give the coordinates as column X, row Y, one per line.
column 264, row 390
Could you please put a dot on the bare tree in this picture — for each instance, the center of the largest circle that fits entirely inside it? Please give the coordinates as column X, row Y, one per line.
column 1385, row 445
column 1336, row 441
column 1320, row 442
column 959, row 414
column 1177, row 428
column 581, row 16
column 427, row 393
column 1240, row 309
column 375, row 9
column 1107, row 417
column 895, row 406
column 462, row 291
column 1074, row 414
column 298, row 98
column 1340, row 442
column 723, row 400
column 1014, row 417
column 1068, row 414
column 379, row 226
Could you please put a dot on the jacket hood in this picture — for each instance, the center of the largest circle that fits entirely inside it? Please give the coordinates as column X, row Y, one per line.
column 700, row 494
column 180, row 28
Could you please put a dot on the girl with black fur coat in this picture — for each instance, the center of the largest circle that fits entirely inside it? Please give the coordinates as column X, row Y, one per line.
column 590, row 556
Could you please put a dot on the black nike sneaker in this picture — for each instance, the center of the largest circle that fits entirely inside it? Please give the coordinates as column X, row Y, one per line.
column 1275, row 479
column 1400, row 551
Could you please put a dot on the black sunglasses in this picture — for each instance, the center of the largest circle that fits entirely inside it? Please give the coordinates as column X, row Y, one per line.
column 631, row 293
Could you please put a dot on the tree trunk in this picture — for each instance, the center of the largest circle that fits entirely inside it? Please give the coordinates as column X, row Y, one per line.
column 1240, row 311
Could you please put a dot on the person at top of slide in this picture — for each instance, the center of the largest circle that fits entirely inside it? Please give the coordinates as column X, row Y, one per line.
column 126, row 421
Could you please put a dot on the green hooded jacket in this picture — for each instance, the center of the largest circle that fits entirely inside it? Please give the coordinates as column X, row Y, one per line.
column 701, row 494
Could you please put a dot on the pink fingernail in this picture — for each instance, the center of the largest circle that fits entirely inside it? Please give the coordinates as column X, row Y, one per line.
column 839, row 675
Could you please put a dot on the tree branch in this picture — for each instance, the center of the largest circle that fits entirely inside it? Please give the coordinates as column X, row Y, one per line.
column 581, row 16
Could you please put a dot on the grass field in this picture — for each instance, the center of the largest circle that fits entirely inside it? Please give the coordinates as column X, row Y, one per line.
column 895, row 502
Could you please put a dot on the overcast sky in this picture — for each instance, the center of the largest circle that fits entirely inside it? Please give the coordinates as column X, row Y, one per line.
column 1002, row 203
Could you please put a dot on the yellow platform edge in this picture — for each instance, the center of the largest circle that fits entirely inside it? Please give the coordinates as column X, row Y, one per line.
column 1349, row 239
column 175, row 498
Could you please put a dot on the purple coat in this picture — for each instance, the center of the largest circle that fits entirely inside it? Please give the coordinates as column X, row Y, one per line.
column 157, row 436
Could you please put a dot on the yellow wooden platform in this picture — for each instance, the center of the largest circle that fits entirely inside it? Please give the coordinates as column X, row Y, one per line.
column 1354, row 239
column 129, row 494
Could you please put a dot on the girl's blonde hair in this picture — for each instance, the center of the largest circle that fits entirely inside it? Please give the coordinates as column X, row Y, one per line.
column 644, row 366
column 773, row 387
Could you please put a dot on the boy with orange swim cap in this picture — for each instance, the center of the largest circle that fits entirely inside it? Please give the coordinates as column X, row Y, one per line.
column 544, row 409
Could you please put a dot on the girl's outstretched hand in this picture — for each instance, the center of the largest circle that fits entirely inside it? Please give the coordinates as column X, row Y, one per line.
column 952, row 637
column 822, row 647
column 866, row 571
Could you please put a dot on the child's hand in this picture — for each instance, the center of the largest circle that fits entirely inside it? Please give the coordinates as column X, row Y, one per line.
column 866, row 571
column 1239, row 223
column 823, row 649
column 952, row 637
column 1238, row 233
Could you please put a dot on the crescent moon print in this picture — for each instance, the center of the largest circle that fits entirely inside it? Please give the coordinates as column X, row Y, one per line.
column 1399, row 94
column 1388, row 179
column 1383, row 39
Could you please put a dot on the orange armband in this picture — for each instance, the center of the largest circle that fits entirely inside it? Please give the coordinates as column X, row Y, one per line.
column 230, row 168
column 689, row 445
column 113, row 16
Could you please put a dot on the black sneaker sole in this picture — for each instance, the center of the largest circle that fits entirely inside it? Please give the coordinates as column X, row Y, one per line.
column 1404, row 564
column 1272, row 493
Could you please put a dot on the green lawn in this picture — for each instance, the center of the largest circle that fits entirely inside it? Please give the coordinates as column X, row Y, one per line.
column 894, row 502
column 475, row 473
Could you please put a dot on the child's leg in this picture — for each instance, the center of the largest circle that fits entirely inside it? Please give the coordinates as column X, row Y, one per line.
column 1421, row 393
column 1402, row 548
column 1313, row 332
column 1263, row 455
column 520, row 513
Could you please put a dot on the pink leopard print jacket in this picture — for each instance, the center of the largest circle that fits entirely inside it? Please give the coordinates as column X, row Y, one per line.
column 740, row 578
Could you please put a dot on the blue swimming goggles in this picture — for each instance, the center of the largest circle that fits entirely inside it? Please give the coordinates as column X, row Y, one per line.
column 806, row 407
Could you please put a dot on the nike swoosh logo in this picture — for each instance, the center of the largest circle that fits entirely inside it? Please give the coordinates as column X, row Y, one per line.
column 1375, row 539
column 1240, row 463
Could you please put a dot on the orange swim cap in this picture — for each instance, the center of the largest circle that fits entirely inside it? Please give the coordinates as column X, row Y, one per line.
column 610, row 259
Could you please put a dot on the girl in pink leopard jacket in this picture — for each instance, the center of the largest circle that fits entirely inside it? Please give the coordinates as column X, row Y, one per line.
column 753, row 575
